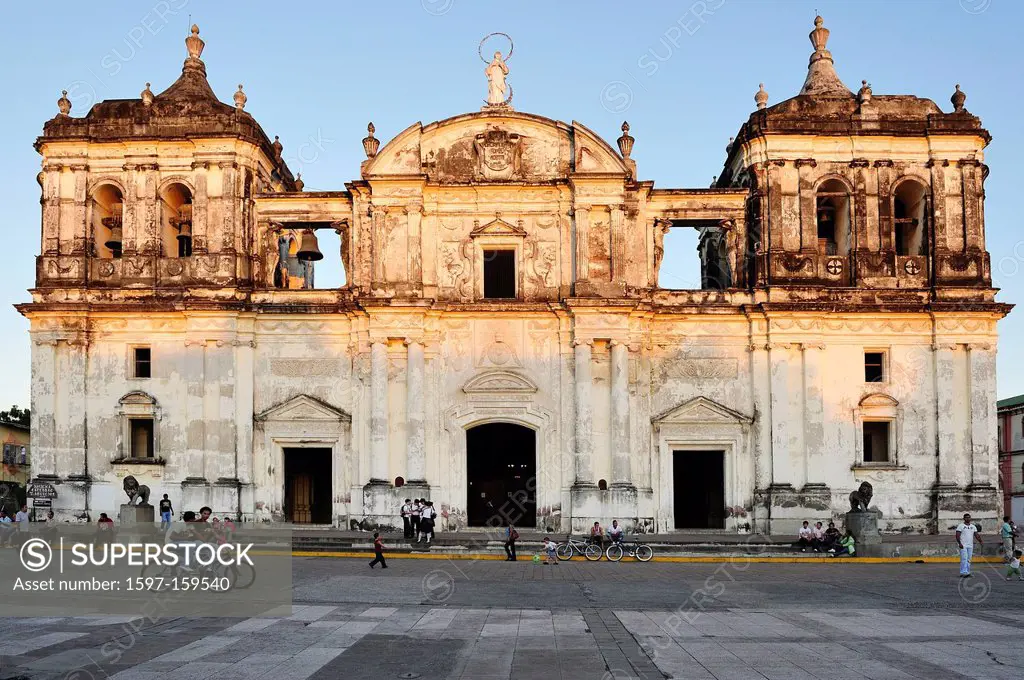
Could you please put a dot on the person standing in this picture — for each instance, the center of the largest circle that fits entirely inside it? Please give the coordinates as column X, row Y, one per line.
column 550, row 556
column 511, row 536
column 1006, row 533
column 378, row 552
column 966, row 534
column 407, row 518
column 427, row 515
column 415, row 518
column 6, row 529
column 166, row 512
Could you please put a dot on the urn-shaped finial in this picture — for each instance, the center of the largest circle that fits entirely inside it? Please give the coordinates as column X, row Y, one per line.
column 728, row 147
column 761, row 97
column 299, row 184
column 194, row 44
column 819, row 36
column 864, row 93
column 147, row 96
column 240, row 98
column 278, row 148
column 370, row 143
column 626, row 141
column 64, row 104
column 958, row 99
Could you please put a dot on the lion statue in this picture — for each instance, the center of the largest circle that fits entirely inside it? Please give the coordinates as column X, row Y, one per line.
column 136, row 491
column 861, row 498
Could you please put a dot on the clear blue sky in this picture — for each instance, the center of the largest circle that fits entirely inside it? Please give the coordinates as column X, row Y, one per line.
column 316, row 72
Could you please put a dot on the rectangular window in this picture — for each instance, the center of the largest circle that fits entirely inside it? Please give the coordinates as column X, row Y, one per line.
column 142, row 437
column 500, row 274
column 876, row 441
column 142, row 362
column 9, row 454
column 23, row 458
column 874, row 367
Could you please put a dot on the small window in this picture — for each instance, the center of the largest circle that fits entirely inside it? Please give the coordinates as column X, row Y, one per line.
column 23, row 456
column 142, row 437
column 9, row 454
column 142, row 361
column 500, row 274
column 876, row 441
column 874, row 367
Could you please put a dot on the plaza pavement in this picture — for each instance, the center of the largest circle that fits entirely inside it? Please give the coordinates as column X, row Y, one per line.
column 483, row 620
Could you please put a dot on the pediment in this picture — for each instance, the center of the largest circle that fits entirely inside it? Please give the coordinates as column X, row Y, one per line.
column 137, row 397
column 304, row 408
column 503, row 382
column 878, row 400
column 701, row 410
column 497, row 227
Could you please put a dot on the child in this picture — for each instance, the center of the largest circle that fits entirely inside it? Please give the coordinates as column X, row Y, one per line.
column 549, row 550
column 378, row 552
column 1013, row 567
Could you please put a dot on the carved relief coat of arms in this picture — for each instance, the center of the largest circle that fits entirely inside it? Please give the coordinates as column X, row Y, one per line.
column 497, row 155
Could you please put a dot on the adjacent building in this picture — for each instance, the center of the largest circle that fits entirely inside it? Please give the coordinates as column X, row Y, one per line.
column 501, row 345
column 1010, row 413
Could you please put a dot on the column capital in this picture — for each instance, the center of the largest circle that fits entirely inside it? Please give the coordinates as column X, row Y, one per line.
column 949, row 346
column 979, row 346
column 589, row 342
column 812, row 345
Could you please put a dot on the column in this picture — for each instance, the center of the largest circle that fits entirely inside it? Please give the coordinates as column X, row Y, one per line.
column 582, row 243
column 73, row 449
column 228, row 207
column 378, row 412
column 584, row 413
column 200, row 214
column 945, row 375
column 618, row 238
column 376, row 246
column 762, row 406
column 416, row 440
column 981, row 367
column 814, row 412
column 43, row 406
column 778, row 366
column 195, row 438
column 621, row 475
column 244, row 389
column 414, row 215
column 80, row 229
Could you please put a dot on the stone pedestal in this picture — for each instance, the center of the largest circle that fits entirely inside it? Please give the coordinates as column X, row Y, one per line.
column 864, row 526
column 132, row 515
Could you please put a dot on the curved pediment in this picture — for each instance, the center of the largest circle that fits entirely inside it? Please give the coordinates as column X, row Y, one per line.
column 494, row 146
column 503, row 382
column 304, row 407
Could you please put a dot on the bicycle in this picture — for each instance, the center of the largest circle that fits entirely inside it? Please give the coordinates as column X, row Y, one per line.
column 566, row 550
column 640, row 551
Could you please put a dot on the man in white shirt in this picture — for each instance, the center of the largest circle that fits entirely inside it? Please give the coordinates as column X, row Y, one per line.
column 22, row 518
column 407, row 518
column 806, row 537
column 966, row 534
column 615, row 532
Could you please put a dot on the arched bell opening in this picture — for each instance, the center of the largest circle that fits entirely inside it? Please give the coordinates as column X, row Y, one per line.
column 910, row 218
column 176, row 220
column 107, row 211
column 832, row 212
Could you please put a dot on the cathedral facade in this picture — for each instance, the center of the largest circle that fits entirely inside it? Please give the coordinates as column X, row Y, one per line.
column 501, row 345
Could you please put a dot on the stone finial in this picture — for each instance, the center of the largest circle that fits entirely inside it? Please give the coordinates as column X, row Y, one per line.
column 147, row 96
column 299, row 184
column 714, row 181
column 821, row 73
column 240, row 98
column 626, row 141
column 819, row 36
column 370, row 143
column 278, row 148
column 194, row 44
column 761, row 97
column 958, row 99
column 728, row 147
column 64, row 104
column 864, row 93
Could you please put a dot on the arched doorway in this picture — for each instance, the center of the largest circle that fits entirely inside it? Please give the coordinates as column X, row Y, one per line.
column 501, row 475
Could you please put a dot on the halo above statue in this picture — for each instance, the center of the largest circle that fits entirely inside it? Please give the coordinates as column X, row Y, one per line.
column 480, row 47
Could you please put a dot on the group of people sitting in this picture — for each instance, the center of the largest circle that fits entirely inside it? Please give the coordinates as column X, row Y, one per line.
column 599, row 538
column 829, row 540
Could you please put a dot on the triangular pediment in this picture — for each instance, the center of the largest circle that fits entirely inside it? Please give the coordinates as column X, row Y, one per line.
column 701, row 410
column 504, row 382
column 498, row 227
column 304, row 407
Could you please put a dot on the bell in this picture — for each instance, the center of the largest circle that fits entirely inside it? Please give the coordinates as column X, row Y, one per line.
column 114, row 242
column 185, row 231
column 309, row 249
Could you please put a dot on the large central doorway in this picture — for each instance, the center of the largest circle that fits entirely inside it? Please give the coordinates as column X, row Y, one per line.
column 501, row 472
column 699, row 488
column 307, row 485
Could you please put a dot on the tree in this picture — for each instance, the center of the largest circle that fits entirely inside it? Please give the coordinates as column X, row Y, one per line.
column 16, row 415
